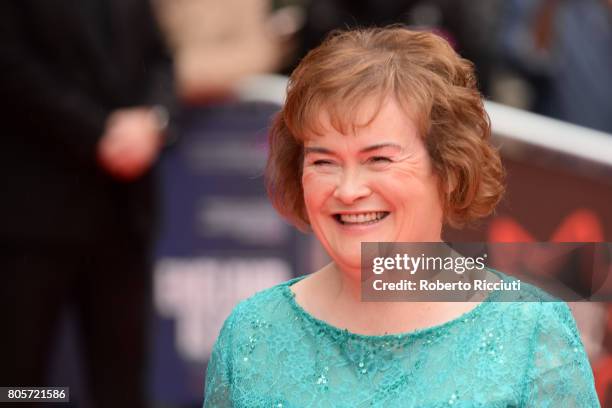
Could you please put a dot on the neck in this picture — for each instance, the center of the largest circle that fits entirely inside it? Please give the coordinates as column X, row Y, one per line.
column 346, row 283
column 371, row 318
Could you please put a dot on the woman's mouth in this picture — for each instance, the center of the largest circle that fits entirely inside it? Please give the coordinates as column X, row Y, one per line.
column 365, row 218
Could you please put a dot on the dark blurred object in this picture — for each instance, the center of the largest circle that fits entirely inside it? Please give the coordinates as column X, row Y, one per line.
column 78, row 80
column 470, row 25
column 561, row 49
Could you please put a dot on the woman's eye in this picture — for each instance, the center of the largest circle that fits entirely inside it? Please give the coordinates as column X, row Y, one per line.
column 322, row 162
column 379, row 160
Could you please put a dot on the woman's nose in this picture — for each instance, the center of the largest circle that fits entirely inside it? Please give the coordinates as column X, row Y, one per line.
column 351, row 188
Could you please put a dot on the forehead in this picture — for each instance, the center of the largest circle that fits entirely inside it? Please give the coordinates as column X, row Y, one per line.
column 371, row 121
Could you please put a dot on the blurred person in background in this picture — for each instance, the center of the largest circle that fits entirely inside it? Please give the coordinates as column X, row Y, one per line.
column 217, row 44
column 470, row 25
column 561, row 49
column 86, row 89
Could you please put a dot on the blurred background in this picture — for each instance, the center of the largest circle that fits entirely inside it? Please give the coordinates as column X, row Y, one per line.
column 164, row 119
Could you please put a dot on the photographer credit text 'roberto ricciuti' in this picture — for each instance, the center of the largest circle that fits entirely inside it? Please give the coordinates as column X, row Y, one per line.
column 428, row 272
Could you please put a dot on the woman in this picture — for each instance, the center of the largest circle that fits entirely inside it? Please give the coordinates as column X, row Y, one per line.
column 383, row 137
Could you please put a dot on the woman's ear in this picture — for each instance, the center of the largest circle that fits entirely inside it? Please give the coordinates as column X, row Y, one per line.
column 450, row 184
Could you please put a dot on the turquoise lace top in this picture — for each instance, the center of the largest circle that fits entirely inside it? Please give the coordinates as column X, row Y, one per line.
column 272, row 353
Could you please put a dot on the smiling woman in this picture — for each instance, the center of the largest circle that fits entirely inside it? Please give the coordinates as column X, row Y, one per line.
column 362, row 187
column 383, row 137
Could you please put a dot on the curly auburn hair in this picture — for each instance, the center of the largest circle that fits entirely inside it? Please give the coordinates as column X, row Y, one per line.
column 433, row 85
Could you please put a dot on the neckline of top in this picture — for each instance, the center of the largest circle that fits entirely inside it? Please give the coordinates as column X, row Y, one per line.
column 337, row 331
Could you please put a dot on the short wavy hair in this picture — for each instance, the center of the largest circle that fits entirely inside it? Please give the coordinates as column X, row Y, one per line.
column 432, row 84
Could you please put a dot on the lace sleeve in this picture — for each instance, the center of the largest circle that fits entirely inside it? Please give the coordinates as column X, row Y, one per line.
column 560, row 374
column 219, row 370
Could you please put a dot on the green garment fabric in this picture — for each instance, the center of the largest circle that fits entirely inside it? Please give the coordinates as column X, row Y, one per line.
column 272, row 353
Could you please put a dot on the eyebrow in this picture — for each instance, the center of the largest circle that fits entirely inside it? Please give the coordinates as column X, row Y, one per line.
column 380, row 146
column 317, row 149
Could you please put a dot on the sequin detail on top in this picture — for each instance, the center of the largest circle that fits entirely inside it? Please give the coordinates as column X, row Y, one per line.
column 272, row 353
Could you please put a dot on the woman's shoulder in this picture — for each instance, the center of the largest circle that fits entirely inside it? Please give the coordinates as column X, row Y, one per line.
column 534, row 308
column 260, row 310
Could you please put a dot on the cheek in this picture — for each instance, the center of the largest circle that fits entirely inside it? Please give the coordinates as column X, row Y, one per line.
column 396, row 178
column 408, row 189
column 317, row 188
column 396, row 185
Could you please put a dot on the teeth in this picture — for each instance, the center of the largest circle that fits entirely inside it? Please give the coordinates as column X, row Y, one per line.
column 361, row 218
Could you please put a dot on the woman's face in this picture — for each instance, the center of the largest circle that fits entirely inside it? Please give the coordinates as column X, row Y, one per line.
column 376, row 185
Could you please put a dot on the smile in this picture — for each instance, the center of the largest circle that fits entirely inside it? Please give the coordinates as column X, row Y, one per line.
column 365, row 218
